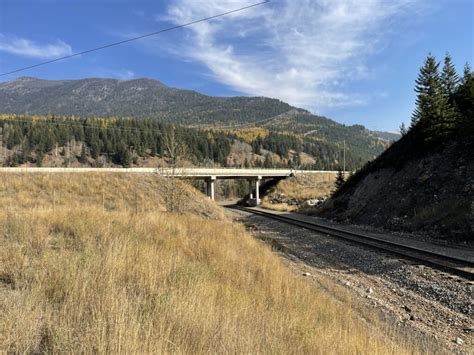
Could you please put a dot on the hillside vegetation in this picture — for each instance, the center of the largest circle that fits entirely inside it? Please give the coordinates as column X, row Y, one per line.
column 278, row 133
column 424, row 181
column 71, row 141
column 86, row 276
column 299, row 191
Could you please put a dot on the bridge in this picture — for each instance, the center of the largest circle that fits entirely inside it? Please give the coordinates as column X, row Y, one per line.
column 210, row 175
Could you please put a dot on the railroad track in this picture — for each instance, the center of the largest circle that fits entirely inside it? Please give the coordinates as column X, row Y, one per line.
column 450, row 264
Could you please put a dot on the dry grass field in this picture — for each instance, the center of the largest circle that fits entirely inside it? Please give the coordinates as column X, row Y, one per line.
column 298, row 189
column 92, row 272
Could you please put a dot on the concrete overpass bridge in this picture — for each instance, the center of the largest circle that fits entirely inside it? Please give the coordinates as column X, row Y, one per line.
column 210, row 175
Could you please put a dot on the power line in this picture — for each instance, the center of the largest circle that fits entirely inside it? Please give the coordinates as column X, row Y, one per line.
column 86, row 125
column 136, row 38
column 77, row 123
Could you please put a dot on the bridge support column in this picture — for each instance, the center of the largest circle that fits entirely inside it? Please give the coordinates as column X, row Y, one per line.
column 251, row 188
column 257, row 187
column 210, row 187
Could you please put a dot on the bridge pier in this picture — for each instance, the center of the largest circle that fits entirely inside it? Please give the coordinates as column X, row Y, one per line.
column 210, row 187
column 257, row 188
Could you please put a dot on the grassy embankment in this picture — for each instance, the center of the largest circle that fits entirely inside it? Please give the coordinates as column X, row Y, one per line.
column 290, row 194
column 99, row 274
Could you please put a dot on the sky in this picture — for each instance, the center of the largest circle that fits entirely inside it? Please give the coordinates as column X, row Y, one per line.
column 354, row 61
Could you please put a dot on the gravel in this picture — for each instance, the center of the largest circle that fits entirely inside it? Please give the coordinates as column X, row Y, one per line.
column 434, row 303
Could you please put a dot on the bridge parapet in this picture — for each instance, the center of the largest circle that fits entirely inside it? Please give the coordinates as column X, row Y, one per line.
column 204, row 173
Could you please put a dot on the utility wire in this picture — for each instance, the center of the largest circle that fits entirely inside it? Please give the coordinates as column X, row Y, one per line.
column 136, row 38
column 66, row 121
column 87, row 125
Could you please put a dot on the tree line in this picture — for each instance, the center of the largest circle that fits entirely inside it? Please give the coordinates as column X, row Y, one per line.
column 444, row 102
column 117, row 140
column 443, row 115
column 123, row 141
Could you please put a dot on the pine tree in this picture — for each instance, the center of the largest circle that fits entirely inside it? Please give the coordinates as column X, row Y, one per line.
column 403, row 129
column 467, row 74
column 449, row 77
column 450, row 84
column 83, row 157
column 433, row 112
column 464, row 98
column 339, row 179
column 123, row 157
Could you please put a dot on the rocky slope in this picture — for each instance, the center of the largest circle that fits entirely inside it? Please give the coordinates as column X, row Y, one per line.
column 413, row 189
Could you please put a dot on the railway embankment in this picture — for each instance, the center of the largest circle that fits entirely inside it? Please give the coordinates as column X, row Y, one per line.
column 430, row 304
column 428, row 192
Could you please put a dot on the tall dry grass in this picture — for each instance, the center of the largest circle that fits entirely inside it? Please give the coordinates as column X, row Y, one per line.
column 86, row 279
column 299, row 188
column 108, row 191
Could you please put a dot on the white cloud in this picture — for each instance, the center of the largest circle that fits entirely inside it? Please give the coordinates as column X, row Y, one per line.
column 27, row 48
column 125, row 74
column 120, row 74
column 304, row 52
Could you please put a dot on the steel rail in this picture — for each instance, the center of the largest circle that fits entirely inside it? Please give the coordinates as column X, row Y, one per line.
column 450, row 264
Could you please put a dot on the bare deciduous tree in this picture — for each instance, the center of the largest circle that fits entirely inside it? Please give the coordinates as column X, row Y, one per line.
column 175, row 194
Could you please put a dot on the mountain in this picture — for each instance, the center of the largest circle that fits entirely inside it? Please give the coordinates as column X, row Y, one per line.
column 152, row 99
column 320, row 137
column 132, row 98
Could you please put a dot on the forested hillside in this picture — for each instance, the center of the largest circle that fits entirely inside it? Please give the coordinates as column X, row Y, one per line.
column 424, row 181
column 143, row 98
column 362, row 143
column 116, row 141
column 67, row 141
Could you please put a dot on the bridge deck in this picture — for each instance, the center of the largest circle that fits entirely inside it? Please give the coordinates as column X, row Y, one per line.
column 217, row 173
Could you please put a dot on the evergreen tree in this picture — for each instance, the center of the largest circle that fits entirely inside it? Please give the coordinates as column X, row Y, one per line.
column 449, row 78
column 268, row 163
column 464, row 98
column 403, row 129
column 39, row 159
column 433, row 112
column 467, row 73
column 83, row 157
column 123, row 156
column 339, row 179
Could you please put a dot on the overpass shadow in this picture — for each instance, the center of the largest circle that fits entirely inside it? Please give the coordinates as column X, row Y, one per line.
column 263, row 190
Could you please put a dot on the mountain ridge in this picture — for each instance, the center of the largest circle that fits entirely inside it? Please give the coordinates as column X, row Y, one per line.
column 104, row 97
column 143, row 97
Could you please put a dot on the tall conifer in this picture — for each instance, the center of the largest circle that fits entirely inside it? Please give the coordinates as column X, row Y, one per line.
column 432, row 111
column 449, row 77
column 467, row 74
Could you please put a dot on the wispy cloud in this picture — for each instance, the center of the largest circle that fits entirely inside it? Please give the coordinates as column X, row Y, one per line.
column 124, row 74
column 27, row 48
column 304, row 52
column 121, row 74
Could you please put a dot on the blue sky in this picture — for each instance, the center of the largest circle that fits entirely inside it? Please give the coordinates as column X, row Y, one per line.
column 354, row 60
